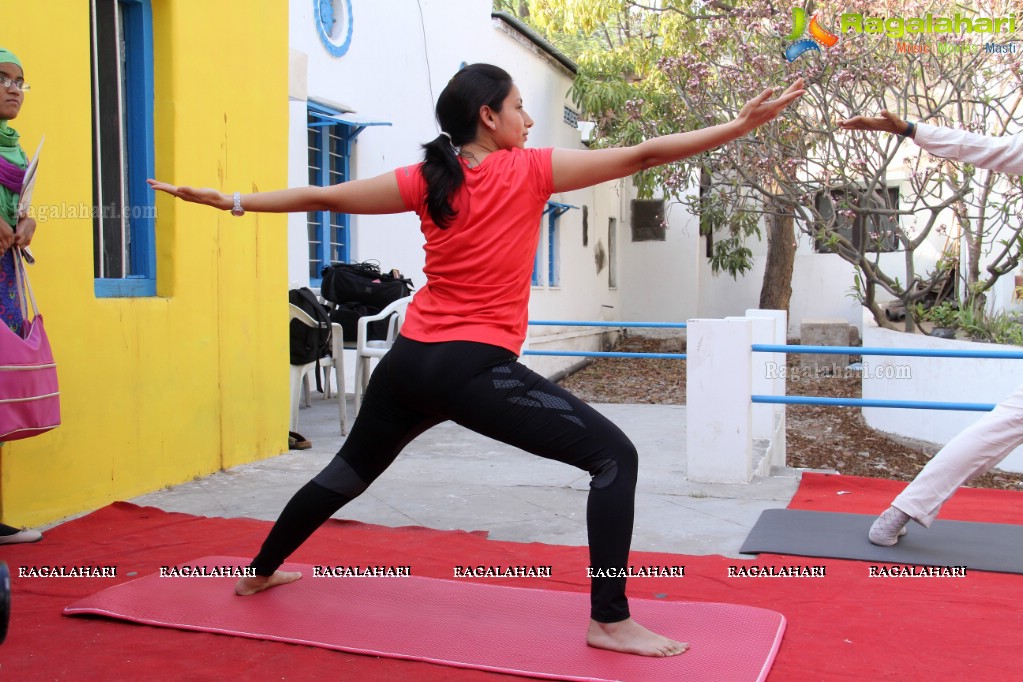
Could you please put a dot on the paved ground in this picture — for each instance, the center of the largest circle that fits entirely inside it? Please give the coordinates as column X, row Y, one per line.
column 450, row 478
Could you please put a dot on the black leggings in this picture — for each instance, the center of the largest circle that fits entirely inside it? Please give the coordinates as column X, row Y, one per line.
column 483, row 388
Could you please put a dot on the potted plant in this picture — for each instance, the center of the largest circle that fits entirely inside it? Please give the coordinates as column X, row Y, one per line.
column 944, row 319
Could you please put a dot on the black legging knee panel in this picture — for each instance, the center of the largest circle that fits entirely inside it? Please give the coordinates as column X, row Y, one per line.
column 484, row 388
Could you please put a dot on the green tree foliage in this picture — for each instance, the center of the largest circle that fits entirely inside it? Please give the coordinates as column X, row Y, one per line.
column 651, row 67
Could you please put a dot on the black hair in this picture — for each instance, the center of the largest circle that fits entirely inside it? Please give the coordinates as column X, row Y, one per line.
column 458, row 106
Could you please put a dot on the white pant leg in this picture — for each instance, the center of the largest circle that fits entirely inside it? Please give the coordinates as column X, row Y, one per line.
column 971, row 453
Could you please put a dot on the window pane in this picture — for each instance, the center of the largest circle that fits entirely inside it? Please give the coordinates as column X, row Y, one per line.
column 882, row 234
column 338, row 174
column 830, row 206
column 537, row 278
column 337, row 158
column 328, row 165
column 314, row 154
column 123, row 209
column 706, row 204
column 612, row 263
column 108, row 141
column 648, row 220
column 868, row 233
column 313, row 228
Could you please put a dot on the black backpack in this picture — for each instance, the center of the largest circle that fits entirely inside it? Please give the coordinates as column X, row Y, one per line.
column 309, row 344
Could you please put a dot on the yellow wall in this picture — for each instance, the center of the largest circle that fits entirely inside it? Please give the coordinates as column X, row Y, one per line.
column 156, row 391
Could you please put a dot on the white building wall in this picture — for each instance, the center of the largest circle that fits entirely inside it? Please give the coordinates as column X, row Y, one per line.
column 821, row 283
column 926, row 379
column 672, row 280
column 658, row 280
column 719, row 294
column 402, row 54
column 389, row 73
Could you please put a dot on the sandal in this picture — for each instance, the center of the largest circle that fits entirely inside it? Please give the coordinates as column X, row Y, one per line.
column 297, row 441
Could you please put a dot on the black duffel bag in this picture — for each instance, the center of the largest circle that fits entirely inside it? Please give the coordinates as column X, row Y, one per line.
column 347, row 315
column 363, row 283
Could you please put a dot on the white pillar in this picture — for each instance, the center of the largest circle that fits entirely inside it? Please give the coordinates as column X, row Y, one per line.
column 775, row 364
column 719, row 447
column 760, row 377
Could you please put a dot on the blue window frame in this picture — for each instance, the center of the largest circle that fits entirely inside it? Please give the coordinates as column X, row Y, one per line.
column 124, row 244
column 331, row 135
column 554, row 211
column 537, row 278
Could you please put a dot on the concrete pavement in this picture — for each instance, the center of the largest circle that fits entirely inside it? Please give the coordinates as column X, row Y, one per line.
column 451, row 478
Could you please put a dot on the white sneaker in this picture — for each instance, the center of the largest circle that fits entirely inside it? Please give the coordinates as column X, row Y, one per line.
column 888, row 527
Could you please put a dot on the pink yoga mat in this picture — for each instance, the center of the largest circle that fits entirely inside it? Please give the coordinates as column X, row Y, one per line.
column 534, row 633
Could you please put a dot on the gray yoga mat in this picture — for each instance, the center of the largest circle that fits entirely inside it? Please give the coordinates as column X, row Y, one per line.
column 978, row 546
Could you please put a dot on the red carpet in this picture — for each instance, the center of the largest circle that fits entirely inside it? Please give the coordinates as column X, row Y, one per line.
column 858, row 495
column 451, row 622
column 845, row 626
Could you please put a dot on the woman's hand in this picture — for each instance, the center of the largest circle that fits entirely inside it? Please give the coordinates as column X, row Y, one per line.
column 760, row 109
column 6, row 237
column 205, row 195
column 26, row 229
column 887, row 122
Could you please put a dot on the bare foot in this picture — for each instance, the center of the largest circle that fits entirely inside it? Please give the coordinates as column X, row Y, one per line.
column 258, row 583
column 629, row 637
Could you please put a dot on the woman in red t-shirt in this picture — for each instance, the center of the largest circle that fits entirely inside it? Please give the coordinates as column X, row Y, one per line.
column 480, row 195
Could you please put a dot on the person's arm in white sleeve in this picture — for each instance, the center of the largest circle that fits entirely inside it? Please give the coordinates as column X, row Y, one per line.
column 1003, row 154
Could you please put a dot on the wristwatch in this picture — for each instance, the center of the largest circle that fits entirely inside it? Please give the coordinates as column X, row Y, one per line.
column 237, row 210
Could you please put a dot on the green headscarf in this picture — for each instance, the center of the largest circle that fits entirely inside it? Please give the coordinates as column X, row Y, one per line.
column 7, row 57
column 11, row 151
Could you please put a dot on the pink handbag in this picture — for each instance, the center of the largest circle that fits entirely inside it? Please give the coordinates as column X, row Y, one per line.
column 29, row 397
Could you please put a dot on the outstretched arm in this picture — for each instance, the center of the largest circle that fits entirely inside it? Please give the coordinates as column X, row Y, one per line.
column 887, row 122
column 574, row 169
column 370, row 196
column 1002, row 154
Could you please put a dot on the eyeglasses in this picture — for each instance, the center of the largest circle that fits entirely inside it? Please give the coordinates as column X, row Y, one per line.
column 22, row 86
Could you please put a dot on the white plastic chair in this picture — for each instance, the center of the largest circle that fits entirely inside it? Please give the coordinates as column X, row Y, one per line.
column 300, row 373
column 367, row 349
column 337, row 360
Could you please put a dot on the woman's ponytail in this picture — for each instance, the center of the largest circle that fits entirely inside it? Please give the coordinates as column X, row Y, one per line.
column 443, row 174
column 458, row 107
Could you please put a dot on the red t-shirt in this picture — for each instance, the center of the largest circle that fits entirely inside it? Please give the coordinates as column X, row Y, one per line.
column 478, row 270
